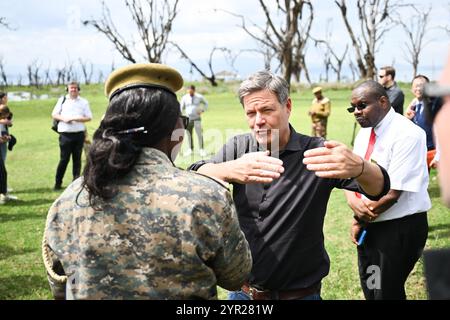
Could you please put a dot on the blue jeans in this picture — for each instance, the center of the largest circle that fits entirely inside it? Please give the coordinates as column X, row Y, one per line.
column 241, row 295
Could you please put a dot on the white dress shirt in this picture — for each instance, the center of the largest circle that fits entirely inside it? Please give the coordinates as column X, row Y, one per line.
column 191, row 104
column 401, row 149
column 78, row 107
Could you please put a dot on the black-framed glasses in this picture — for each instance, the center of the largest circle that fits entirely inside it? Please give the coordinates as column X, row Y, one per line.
column 360, row 107
column 185, row 121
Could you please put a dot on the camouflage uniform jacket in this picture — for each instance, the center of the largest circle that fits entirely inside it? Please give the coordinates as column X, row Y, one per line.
column 167, row 234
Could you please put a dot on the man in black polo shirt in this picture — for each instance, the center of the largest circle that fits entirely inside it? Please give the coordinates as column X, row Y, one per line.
column 386, row 77
column 281, row 203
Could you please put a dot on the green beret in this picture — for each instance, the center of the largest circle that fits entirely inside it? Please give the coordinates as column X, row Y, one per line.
column 152, row 75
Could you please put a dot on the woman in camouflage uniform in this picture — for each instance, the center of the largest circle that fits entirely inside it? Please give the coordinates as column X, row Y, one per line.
column 135, row 226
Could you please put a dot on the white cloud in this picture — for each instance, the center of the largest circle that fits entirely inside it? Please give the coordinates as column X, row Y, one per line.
column 48, row 30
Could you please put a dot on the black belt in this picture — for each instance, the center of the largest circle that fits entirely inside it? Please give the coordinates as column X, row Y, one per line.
column 294, row 294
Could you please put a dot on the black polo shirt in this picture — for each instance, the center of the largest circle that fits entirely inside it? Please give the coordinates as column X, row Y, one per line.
column 283, row 220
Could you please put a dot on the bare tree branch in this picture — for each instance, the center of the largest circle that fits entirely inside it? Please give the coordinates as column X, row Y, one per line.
column 375, row 19
column 5, row 23
column 87, row 68
column 415, row 30
column 302, row 36
column 329, row 53
column 212, row 77
column 3, row 76
column 107, row 27
column 33, row 70
column 285, row 40
column 153, row 20
column 47, row 73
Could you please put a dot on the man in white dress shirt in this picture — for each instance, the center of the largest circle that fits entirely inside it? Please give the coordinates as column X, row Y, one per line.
column 191, row 106
column 395, row 227
column 72, row 112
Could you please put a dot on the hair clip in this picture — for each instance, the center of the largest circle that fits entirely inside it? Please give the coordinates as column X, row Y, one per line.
column 133, row 130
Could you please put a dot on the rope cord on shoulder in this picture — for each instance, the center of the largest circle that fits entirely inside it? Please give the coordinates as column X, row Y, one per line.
column 48, row 263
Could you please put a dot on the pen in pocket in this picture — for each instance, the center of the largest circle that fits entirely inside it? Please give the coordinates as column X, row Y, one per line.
column 362, row 237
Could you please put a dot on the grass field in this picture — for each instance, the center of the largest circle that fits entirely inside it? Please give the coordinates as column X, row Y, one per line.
column 32, row 164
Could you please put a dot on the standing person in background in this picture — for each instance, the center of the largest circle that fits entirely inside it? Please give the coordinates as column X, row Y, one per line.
column 3, row 175
column 396, row 225
column 5, row 122
column 72, row 112
column 3, row 98
column 386, row 77
column 418, row 111
column 319, row 113
column 190, row 105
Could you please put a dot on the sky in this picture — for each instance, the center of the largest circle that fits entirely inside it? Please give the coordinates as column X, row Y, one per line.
column 50, row 32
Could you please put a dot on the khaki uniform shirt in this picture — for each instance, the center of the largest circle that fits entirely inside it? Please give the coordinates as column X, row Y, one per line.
column 166, row 234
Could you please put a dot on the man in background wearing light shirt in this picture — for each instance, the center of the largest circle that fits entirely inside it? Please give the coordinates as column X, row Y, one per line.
column 395, row 226
column 72, row 112
column 190, row 105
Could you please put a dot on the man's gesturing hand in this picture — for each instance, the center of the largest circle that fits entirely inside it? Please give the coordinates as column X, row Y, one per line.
column 334, row 160
column 255, row 167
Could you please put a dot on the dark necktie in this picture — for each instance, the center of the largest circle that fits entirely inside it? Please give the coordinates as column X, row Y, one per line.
column 419, row 108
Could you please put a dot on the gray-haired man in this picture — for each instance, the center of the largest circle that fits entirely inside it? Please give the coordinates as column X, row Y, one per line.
column 281, row 202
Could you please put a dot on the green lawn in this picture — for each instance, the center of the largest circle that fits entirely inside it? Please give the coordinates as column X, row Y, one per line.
column 32, row 164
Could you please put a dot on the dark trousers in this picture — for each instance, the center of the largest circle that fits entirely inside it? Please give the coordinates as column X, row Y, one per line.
column 3, row 177
column 69, row 144
column 389, row 253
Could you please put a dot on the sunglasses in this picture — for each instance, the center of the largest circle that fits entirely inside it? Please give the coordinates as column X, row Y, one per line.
column 360, row 107
column 185, row 121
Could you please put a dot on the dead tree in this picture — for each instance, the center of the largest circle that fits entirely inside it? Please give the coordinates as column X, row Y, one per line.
column 375, row 19
column 212, row 77
column 60, row 76
column 33, row 70
column 285, row 39
column 415, row 30
column 153, row 20
column 100, row 77
column 267, row 54
column 87, row 68
column 329, row 53
column 353, row 70
column 336, row 63
column 65, row 74
column 3, row 76
column 300, row 45
column 48, row 78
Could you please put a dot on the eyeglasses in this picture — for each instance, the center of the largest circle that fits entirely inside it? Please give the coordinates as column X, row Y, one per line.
column 185, row 121
column 360, row 107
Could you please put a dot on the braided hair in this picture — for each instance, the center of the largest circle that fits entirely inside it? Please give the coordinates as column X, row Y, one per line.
column 113, row 154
